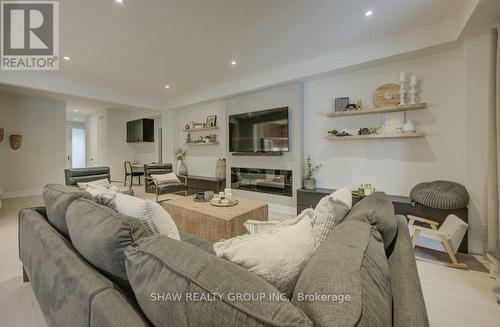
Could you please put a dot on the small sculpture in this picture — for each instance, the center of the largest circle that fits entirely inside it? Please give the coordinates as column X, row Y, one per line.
column 413, row 89
column 188, row 138
column 402, row 91
column 16, row 141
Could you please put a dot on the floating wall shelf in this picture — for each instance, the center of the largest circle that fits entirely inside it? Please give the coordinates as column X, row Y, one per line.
column 405, row 107
column 376, row 136
column 202, row 143
column 200, row 129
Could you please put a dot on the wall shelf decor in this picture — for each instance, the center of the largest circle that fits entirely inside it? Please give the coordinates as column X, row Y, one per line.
column 201, row 143
column 405, row 107
column 16, row 141
column 376, row 136
column 199, row 129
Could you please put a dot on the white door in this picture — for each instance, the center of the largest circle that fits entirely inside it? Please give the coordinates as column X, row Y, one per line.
column 100, row 141
column 68, row 146
column 93, row 146
column 78, row 147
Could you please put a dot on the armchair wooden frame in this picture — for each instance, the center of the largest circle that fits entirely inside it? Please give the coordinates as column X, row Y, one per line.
column 418, row 230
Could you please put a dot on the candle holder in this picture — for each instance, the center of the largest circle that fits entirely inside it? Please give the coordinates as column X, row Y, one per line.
column 413, row 89
column 402, row 92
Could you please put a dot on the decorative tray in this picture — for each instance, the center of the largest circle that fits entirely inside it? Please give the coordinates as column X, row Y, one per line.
column 198, row 200
column 231, row 203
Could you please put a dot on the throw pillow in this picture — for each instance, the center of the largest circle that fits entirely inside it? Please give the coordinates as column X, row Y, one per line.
column 277, row 255
column 329, row 212
column 103, row 182
column 257, row 226
column 101, row 235
column 169, row 178
column 204, row 290
column 162, row 221
column 102, row 194
column 154, row 217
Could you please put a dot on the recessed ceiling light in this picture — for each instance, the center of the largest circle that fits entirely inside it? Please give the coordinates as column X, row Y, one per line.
column 119, row 1
column 368, row 13
column 66, row 58
column 233, row 62
column 76, row 110
column 76, row 118
column 167, row 86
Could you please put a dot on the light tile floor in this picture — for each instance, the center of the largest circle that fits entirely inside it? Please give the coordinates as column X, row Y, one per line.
column 453, row 297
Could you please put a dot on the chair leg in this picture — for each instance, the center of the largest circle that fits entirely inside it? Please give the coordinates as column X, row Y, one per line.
column 452, row 256
column 414, row 237
column 125, row 181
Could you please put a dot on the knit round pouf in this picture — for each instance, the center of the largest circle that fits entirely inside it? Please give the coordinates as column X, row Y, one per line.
column 440, row 195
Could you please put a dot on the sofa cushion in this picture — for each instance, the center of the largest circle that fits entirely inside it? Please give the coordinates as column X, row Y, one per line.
column 199, row 242
column 349, row 277
column 101, row 235
column 160, row 268
column 57, row 199
column 377, row 211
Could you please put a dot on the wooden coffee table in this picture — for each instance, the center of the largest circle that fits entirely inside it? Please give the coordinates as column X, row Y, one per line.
column 214, row 223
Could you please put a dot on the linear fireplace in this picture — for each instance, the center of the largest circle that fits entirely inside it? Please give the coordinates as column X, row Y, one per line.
column 273, row 181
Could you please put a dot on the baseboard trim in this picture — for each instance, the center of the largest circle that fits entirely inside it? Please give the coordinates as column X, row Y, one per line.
column 20, row 194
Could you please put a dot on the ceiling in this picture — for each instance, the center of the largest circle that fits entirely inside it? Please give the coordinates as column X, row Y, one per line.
column 140, row 46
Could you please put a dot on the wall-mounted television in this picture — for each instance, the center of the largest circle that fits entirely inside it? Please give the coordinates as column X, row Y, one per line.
column 257, row 132
column 141, row 130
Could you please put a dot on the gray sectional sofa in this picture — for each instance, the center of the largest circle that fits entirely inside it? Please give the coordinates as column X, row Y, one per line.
column 90, row 266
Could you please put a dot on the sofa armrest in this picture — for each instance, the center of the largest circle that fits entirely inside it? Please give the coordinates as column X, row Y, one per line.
column 409, row 306
column 111, row 308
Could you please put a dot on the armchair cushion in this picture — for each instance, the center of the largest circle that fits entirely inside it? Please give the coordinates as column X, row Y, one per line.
column 169, row 178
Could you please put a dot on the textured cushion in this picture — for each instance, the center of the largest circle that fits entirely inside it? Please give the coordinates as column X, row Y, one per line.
column 151, row 214
column 161, row 266
column 440, row 195
column 199, row 242
column 377, row 211
column 100, row 182
column 57, row 199
column 101, row 235
column 350, row 266
column 277, row 255
column 169, row 178
column 329, row 212
column 104, row 195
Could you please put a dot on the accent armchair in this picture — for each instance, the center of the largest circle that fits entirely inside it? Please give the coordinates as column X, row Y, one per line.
column 152, row 186
column 73, row 176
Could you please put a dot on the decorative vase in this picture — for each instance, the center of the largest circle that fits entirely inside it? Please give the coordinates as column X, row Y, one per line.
column 220, row 169
column 1, row 135
column 182, row 169
column 409, row 127
column 310, row 184
column 16, row 141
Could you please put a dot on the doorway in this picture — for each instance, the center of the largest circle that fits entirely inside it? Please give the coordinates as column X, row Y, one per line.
column 75, row 147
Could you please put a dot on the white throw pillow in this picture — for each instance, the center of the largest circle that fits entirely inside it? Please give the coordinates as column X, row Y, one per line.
column 169, row 178
column 102, row 194
column 102, row 182
column 162, row 220
column 329, row 212
column 258, row 226
column 277, row 255
column 150, row 213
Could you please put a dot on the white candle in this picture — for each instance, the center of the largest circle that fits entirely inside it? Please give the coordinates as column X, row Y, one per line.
column 413, row 80
column 402, row 77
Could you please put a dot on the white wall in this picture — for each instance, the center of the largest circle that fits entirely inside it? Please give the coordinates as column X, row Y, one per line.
column 290, row 96
column 41, row 159
column 201, row 160
column 453, row 83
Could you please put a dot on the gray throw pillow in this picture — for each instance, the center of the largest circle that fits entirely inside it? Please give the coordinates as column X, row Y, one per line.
column 377, row 211
column 57, row 199
column 101, row 235
column 347, row 280
column 177, row 282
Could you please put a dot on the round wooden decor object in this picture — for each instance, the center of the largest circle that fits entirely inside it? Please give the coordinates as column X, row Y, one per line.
column 386, row 95
column 16, row 141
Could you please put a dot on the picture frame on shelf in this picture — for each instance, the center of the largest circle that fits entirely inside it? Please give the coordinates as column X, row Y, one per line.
column 340, row 104
column 212, row 121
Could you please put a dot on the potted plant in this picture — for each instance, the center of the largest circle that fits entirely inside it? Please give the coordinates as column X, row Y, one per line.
column 180, row 155
column 309, row 180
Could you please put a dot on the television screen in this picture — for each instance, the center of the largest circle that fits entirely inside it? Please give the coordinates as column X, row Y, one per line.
column 259, row 131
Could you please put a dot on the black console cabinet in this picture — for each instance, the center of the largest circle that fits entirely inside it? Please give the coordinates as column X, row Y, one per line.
column 197, row 184
column 402, row 206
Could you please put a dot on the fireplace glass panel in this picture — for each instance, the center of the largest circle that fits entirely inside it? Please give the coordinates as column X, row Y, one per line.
column 273, row 181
